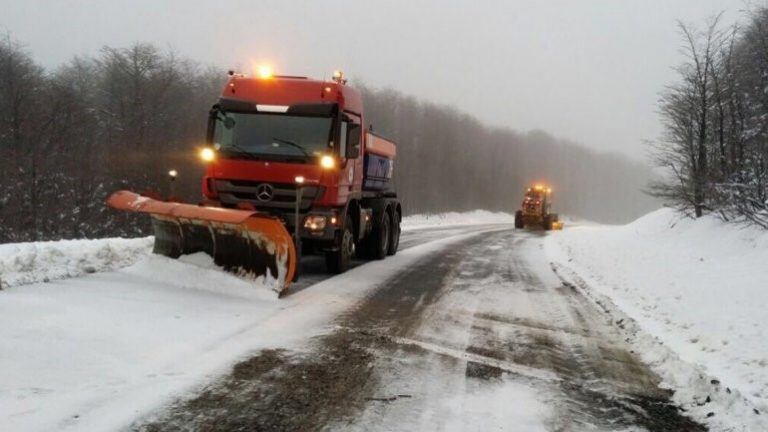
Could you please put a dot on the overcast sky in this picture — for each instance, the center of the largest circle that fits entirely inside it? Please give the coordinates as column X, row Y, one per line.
column 586, row 70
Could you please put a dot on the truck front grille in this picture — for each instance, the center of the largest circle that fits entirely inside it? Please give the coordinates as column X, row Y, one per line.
column 283, row 195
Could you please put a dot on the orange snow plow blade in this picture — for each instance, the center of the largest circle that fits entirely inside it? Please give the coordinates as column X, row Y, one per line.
column 244, row 242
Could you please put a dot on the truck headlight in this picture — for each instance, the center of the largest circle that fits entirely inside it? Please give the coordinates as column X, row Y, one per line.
column 327, row 162
column 207, row 154
column 314, row 223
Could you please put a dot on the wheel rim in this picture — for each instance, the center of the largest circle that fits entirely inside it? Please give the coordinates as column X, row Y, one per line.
column 348, row 246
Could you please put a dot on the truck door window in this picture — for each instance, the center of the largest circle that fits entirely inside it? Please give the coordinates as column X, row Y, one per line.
column 353, row 140
column 343, row 139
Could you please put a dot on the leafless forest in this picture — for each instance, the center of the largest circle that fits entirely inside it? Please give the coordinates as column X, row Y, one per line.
column 124, row 117
column 715, row 149
column 449, row 160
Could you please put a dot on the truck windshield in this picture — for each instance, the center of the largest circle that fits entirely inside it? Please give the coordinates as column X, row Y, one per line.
column 273, row 136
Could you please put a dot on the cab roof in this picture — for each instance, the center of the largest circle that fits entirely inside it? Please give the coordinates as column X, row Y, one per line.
column 285, row 90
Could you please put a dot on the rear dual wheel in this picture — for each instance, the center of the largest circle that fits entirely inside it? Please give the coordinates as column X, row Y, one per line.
column 384, row 238
column 380, row 238
column 394, row 240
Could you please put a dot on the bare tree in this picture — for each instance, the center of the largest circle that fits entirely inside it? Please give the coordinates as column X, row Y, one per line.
column 20, row 83
column 688, row 110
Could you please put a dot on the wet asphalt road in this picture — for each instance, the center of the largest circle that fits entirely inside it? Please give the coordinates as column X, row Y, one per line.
column 313, row 267
column 482, row 335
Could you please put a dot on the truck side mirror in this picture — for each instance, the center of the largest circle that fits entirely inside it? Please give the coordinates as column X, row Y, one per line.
column 353, row 141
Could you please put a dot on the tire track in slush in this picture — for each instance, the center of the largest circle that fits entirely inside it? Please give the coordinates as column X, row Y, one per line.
column 332, row 380
column 434, row 330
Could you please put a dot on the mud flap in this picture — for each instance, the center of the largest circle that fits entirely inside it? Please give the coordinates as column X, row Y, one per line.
column 247, row 243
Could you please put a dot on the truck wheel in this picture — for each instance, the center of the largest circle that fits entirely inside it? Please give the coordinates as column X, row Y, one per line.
column 380, row 237
column 376, row 245
column 338, row 261
column 519, row 224
column 394, row 240
column 548, row 222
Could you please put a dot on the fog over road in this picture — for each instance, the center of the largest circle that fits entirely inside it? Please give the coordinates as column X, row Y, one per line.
column 481, row 335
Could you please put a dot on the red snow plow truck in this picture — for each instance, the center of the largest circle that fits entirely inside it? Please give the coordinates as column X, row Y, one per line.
column 290, row 168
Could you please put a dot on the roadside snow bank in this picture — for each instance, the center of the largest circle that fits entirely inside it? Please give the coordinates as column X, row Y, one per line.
column 699, row 286
column 26, row 263
column 93, row 353
column 70, row 346
column 475, row 217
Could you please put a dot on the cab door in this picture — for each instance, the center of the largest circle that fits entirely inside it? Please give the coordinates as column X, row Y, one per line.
column 351, row 149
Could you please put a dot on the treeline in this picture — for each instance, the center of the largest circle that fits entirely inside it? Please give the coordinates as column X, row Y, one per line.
column 449, row 160
column 125, row 117
column 715, row 146
column 71, row 136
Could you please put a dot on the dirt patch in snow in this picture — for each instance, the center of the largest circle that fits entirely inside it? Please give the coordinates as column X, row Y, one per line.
column 278, row 391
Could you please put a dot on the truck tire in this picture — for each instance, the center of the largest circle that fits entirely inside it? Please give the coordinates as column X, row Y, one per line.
column 380, row 237
column 548, row 222
column 394, row 239
column 519, row 224
column 376, row 245
column 337, row 261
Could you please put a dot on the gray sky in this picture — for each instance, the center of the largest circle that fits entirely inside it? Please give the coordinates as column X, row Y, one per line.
column 586, row 70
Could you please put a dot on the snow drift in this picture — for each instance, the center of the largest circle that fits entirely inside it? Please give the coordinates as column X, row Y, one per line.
column 26, row 263
column 699, row 286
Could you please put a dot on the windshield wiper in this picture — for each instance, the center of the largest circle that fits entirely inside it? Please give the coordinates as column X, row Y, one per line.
column 237, row 150
column 292, row 144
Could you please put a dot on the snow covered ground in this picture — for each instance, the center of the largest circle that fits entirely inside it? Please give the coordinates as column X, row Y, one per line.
column 475, row 217
column 94, row 333
column 700, row 287
column 25, row 263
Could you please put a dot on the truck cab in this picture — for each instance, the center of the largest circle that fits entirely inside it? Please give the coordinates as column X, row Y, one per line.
column 296, row 148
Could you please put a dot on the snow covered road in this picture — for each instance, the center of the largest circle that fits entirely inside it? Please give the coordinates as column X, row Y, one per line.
column 472, row 332
column 94, row 352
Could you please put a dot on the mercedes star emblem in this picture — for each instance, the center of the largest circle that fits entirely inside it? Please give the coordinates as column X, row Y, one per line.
column 265, row 192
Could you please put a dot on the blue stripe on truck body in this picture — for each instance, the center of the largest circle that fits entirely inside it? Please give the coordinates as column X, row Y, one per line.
column 378, row 172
